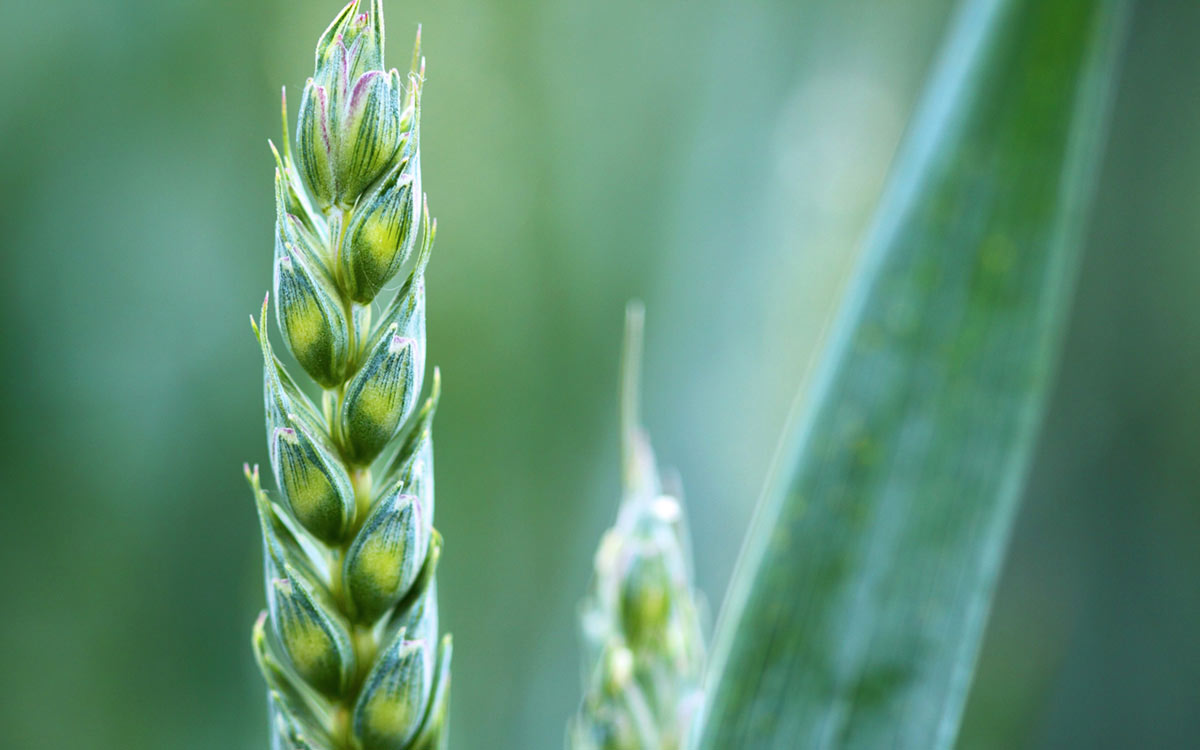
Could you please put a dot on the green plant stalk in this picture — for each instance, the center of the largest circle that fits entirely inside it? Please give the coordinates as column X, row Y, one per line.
column 856, row 611
column 349, row 642
column 644, row 654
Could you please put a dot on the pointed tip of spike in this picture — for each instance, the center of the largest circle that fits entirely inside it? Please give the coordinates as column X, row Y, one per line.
column 258, row 638
column 283, row 113
column 418, row 62
column 259, row 326
column 252, row 478
column 435, row 390
column 631, row 366
column 630, row 390
column 635, row 311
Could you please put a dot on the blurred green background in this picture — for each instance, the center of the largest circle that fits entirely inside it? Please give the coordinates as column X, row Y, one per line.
column 718, row 159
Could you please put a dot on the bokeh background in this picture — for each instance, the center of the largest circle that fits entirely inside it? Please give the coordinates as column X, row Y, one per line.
column 717, row 159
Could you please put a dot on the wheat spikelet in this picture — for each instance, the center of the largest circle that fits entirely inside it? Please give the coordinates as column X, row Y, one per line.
column 640, row 621
column 349, row 642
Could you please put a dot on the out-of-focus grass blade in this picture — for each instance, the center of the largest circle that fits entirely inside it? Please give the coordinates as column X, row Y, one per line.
column 856, row 612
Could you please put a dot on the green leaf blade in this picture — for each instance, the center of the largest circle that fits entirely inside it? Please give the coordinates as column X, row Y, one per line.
column 856, row 613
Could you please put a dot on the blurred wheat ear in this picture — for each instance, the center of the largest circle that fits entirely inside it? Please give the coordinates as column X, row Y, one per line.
column 857, row 608
column 644, row 649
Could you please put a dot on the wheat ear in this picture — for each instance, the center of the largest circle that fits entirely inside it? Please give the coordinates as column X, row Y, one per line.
column 349, row 642
column 644, row 649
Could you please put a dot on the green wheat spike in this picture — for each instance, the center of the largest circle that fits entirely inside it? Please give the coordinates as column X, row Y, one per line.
column 349, row 643
column 641, row 624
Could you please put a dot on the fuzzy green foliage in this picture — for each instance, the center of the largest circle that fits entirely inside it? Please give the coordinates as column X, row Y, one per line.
column 856, row 614
column 641, row 623
column 349, row 642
